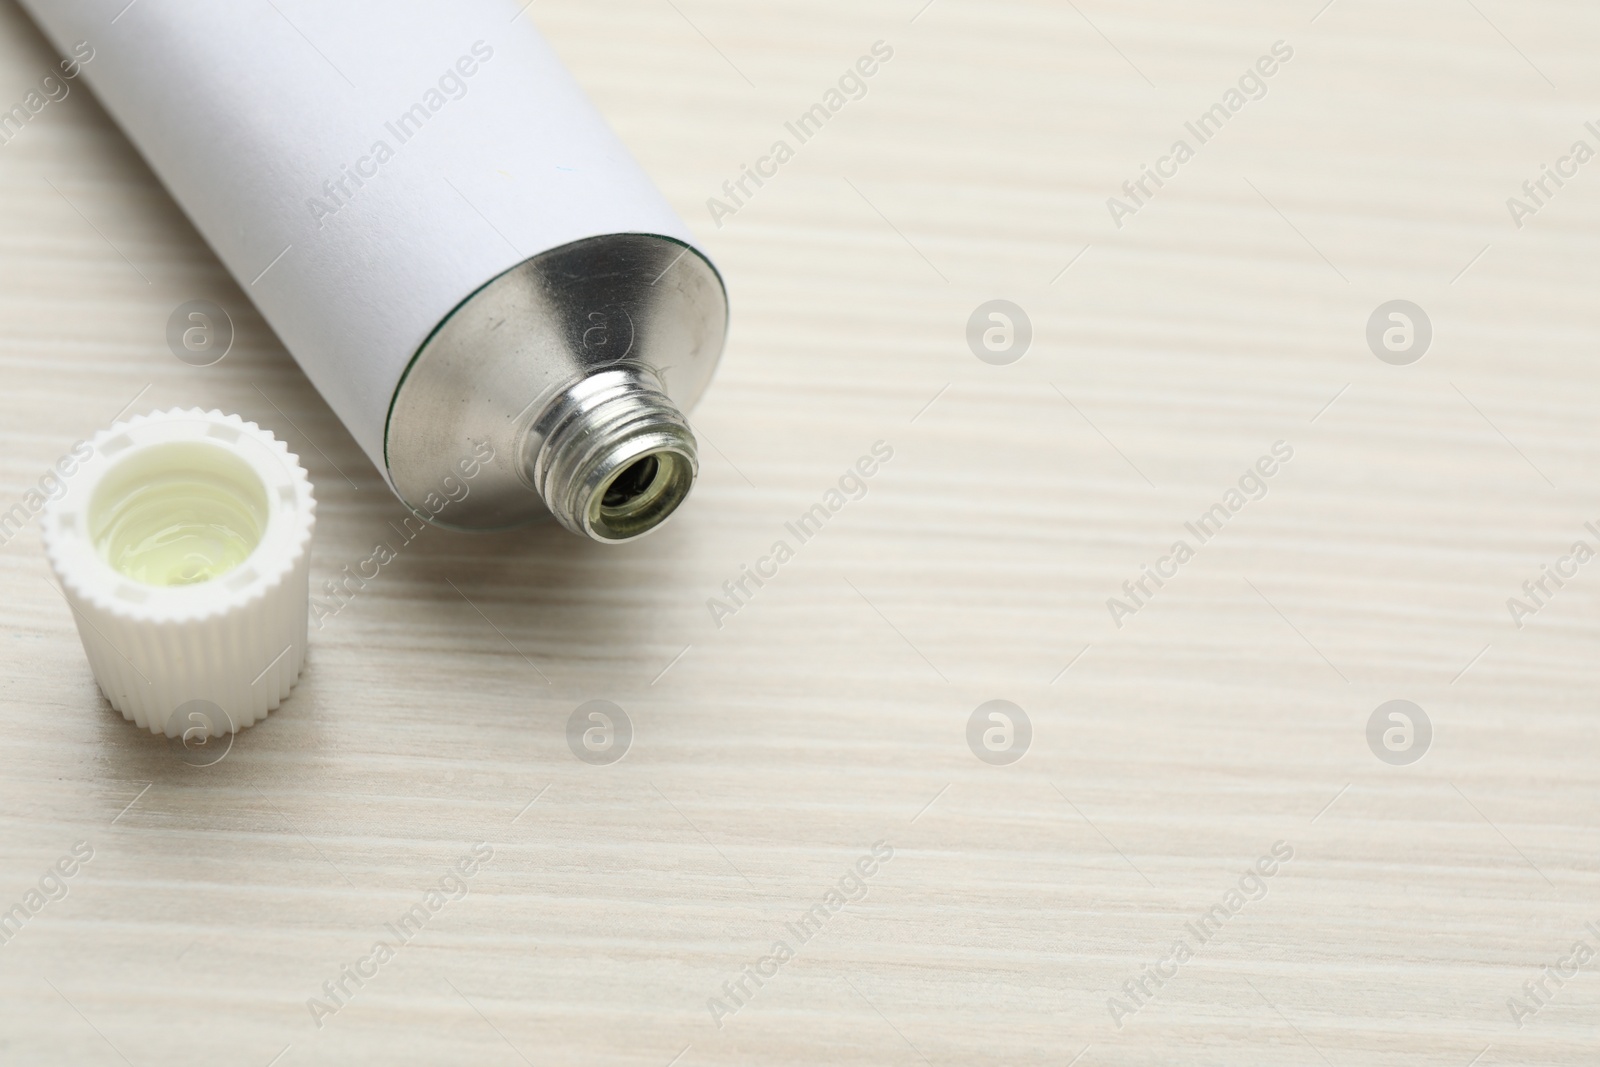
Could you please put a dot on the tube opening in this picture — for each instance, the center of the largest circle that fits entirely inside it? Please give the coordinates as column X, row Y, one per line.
column 633, row 482
column 640, row 496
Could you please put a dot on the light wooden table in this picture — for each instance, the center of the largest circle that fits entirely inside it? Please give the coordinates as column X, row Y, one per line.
column 1227, row 714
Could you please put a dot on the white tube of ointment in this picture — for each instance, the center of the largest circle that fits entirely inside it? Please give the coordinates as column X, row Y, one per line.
column 463, row 258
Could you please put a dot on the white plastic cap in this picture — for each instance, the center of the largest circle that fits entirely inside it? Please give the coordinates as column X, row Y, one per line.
column 183, row 546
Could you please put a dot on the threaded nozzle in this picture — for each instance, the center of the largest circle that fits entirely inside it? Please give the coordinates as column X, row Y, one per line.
column 612, row 456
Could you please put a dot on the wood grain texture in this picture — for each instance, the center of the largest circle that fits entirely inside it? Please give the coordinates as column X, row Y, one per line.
column 830, row 712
